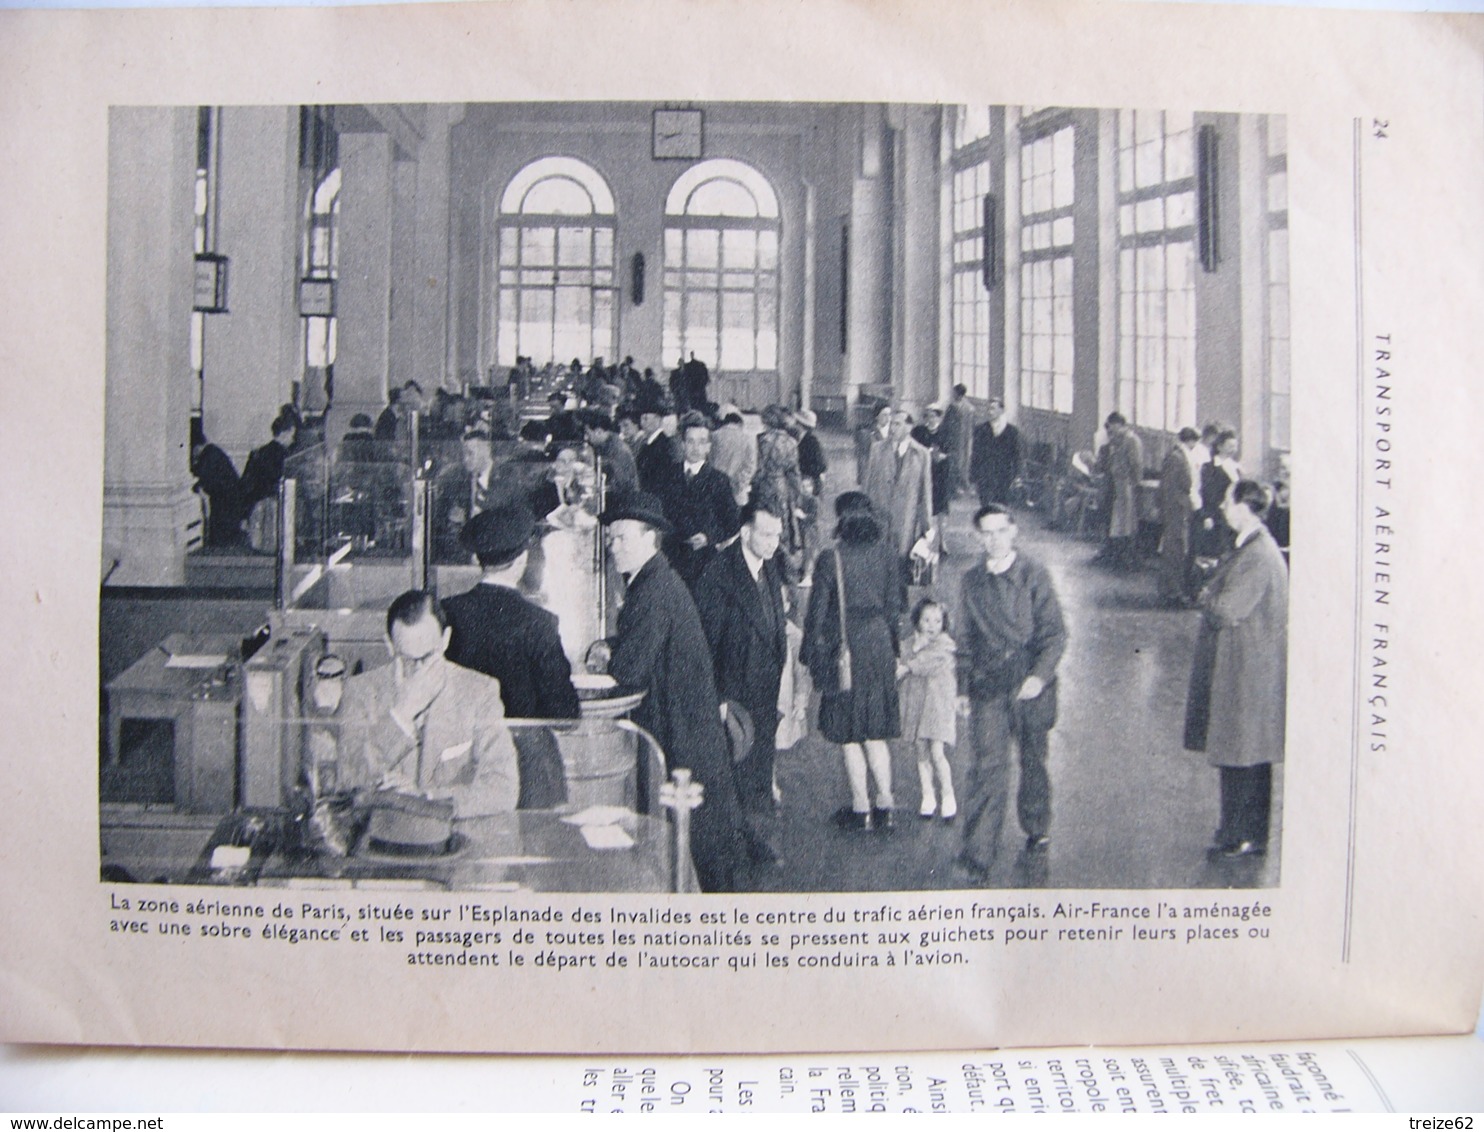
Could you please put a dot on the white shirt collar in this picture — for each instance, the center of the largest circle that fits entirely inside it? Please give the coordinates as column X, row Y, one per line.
column 1002, row 566
column 903, row 445
column 1249, row 534
column 754, row 563
column 692, row 469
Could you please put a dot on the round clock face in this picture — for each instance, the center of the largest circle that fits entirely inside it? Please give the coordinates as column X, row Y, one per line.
column 677, row 133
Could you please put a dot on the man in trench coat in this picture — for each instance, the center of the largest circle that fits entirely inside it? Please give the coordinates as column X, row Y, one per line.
column 1235, row 712
column 660, row 646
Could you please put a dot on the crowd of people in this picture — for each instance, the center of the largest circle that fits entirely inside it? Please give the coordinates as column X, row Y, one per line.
column 735, row 605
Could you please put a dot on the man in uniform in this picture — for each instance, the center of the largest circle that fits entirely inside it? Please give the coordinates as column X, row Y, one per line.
column 1011, row 637
column 497, row 631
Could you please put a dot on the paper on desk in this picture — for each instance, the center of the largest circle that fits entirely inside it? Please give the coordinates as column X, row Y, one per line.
column 598, row 815
column 606, row 837
column 195, row 660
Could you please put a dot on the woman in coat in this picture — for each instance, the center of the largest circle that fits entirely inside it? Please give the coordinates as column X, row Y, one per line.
column 863, row 718
column 1212, row 536
column 1238, row 683
column 778, row 485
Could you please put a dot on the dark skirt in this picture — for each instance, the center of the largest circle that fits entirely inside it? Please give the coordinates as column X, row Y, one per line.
column 870, row 710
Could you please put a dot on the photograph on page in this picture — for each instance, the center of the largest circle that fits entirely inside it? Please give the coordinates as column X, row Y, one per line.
column 815, row 540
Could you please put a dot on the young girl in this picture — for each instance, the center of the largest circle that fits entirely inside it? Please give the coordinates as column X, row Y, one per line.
column 926, row 672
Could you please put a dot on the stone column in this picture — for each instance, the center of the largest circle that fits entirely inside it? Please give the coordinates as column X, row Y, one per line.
column 363, row 298
column 811, row 291
column 150, row 513
column 917, row 274
column 868, row 340
column 254, row 354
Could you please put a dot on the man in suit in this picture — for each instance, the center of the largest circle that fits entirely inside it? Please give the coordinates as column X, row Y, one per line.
column 899, row 484
column 618, row 461
column 1175, row 510
column 744, row 613
column 660, row 647
column 699, row 504
column 655, row 458
column 421, row 725
column 463, row 492
column 995, row 461
column 497, row 631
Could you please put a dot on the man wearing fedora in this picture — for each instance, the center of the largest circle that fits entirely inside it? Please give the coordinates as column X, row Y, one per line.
column 420, row 725
column 500, row 633
column 660, row 647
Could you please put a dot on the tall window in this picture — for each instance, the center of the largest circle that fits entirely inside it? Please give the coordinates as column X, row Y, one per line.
column 319, row 168
column 1279, row 385
column 203, row 228
column 1156, row 268
column 555, row 293
column 1046, row 339
column 970, row 304
column 970, row 123
column 721, row 267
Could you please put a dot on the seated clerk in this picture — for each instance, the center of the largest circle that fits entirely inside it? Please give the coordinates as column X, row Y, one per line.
column 463, row 492
column 264, row 468
column 497, row 631
column 217, row 479
column 421, row 725
column 699, row 503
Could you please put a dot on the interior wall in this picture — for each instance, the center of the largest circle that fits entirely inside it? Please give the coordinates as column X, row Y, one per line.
column 494, row 142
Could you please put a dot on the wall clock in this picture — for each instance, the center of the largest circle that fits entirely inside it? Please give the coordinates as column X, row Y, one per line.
column 677, row 134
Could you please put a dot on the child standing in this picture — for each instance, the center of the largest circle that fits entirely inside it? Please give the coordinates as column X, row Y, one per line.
column 929, row 720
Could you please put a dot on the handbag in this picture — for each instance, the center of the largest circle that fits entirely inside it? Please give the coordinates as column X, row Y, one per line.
column 842, row 662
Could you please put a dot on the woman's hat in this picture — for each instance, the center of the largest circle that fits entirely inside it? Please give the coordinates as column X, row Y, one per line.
column 639, row 506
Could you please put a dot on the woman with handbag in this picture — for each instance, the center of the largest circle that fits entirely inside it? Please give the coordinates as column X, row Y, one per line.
column 850, row 648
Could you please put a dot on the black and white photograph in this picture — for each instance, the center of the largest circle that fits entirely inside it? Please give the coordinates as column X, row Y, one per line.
column 692, row 496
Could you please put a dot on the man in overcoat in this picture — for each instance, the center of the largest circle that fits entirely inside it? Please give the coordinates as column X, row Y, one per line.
column 1175, row 510
column 744, row 613
column 900, row 485
column 1236, row 709
column 660, row 647
column 497, row 631
column 1122, row 459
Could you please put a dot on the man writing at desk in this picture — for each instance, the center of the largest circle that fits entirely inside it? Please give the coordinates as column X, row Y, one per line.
column 423, row 725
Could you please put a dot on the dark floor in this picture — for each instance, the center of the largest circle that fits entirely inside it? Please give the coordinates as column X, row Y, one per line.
column 1130, row 807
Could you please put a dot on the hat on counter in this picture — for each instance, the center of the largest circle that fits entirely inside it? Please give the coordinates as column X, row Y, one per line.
column 361, row 422
column 498, row 535
column 639, row 506
column 806, row 417
column 410, row 826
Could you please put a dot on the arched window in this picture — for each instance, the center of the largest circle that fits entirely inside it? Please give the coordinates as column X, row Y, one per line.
column 721, row 267
column 555, row 297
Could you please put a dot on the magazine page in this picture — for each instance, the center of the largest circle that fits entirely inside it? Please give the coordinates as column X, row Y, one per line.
column 672, row 529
